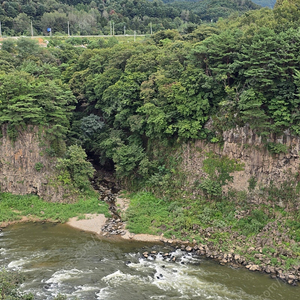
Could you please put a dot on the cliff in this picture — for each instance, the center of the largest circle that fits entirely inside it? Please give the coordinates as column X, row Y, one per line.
column 25, row 167
column 244, row 145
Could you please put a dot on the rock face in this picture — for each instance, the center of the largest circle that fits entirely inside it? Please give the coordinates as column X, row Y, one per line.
column 25, row 168
column 247, row 147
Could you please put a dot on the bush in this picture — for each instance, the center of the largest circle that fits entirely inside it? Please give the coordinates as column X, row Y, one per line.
column 277, row 148
column 75, row 168
column 211, row 187
column 39, row 166
column 253, row 223
column 9, row 282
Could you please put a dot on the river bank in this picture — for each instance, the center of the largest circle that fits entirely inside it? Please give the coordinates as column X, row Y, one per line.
column 107, row 228
column 257, row 253
column 269, row 249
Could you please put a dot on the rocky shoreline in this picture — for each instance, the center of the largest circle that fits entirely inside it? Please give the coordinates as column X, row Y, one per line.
column 235, row 257
column 115, row 227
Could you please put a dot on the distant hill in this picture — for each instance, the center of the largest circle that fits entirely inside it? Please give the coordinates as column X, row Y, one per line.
column 209, row 10
column 265, row 3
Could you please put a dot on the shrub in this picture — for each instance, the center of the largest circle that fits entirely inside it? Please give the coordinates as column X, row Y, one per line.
column 277, row 148
column 75, row 167
column 9, row 282
column 39, row 166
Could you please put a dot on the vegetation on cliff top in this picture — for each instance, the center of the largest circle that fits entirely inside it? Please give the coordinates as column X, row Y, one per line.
column 124, row 102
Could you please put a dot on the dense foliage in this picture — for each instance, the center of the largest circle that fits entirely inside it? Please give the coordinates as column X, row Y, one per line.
column 31, row 91
column 97, row 17
column 133, row 99
column 212, row 10
column 9, row 282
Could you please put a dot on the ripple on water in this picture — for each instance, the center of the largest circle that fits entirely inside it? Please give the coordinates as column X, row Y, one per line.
column 173, row 277
column 118, row 271
column 3, row 251
column 64, row 275
column 104, row 293
column 118, row 278
column 18, row 264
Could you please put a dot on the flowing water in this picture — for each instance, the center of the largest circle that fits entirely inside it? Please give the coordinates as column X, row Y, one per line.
column 59, row 259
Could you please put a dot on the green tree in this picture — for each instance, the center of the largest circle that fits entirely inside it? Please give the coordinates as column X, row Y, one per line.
column 75, row 166
column 29, row 101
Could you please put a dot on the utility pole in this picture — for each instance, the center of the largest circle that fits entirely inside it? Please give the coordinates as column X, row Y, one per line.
column 31, row 29
column 0, row 29
column 151, row 28
column 134, row 34
column 113, row 23
column 68, row 28
column 110, row 28
column 124, row 30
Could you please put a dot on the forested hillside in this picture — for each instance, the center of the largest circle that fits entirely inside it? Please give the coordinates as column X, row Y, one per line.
column 267, row 3
column 164, row 89
column 96, row 17
column 132, row 105
column 212, row 10
column 204, row 4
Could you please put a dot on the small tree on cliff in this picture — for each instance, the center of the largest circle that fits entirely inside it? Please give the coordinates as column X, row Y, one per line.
column 75, row 169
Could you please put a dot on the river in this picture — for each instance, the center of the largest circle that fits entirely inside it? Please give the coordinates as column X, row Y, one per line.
column 59, row 259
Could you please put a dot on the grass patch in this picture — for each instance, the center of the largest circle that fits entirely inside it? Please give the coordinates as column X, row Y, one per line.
column 13, row 207
column 184, row 217
column 224, row 222
column 146, row 213
column 149, row 214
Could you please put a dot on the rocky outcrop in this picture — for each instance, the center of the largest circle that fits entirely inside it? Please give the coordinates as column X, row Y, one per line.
column 25, row 167
column 244, row 145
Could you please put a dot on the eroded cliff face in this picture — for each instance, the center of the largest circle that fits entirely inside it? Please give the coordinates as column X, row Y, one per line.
column 25, row 168
column 247, row 147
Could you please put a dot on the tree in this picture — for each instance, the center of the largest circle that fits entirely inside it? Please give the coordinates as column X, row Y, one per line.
column 9, row 46
column 29, row 101
column 26, row 48
column 22, row 23
column 75, row 166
